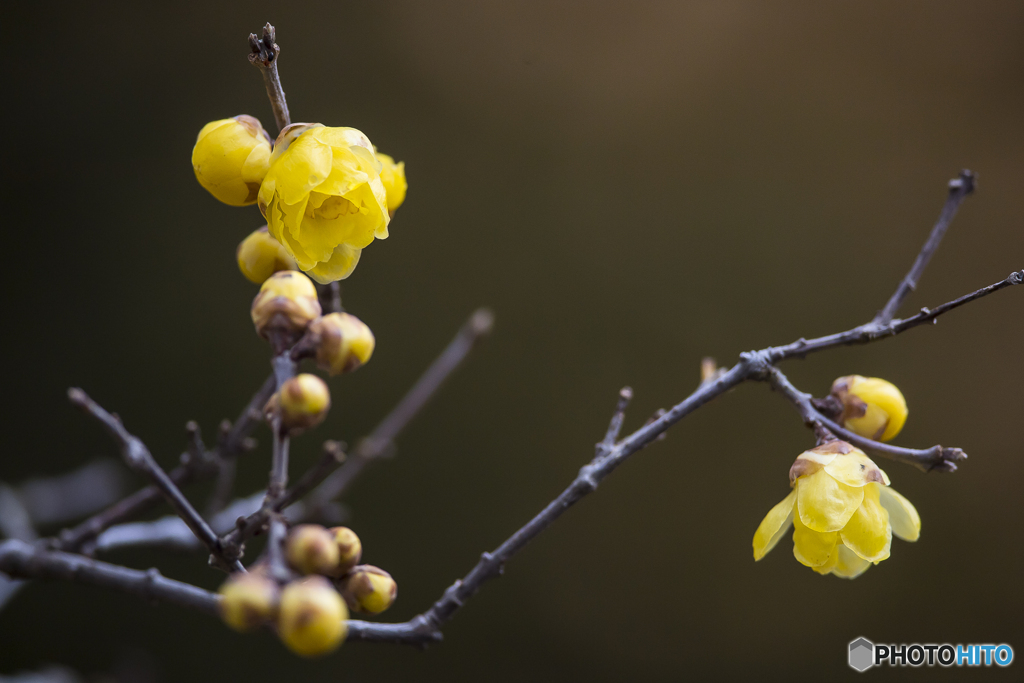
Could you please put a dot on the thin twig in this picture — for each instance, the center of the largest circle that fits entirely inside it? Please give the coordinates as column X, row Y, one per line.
column 265, row 52
column 959, row 189
column 872, row 331
column 936, row 458
column 284, row 370
column 615, row 424
column 146, row 498
column 380, row 440
column 138, row 458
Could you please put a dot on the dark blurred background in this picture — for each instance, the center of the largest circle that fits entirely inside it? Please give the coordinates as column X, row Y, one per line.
column 630, row 186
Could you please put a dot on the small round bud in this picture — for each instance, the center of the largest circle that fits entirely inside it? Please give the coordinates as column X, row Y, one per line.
column 350, row 549
column 248, row 600
column 343, row 342
column 302, row 402
column 286, row 304
column 260, row 256
column 311, row 549
column 231, row 158
column 872, row 407
column 368, row 589
column 392, row 176
column 312, row 619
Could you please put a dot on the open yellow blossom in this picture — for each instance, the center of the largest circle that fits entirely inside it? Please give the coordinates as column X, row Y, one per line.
column 323, row 198
column 842, row 511
column 231, row 158
column 872, row 407
column 393, row 177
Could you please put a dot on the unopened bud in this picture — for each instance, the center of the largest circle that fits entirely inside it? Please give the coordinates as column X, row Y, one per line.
column 313, row 617
column 260, row 256
column 872, row 407
column 368, row 589
column 302, row 403
column 350, row 549
column 311, row 549
column 231, row 158
column 285, row 305
column 248, row 600
column 343, row 342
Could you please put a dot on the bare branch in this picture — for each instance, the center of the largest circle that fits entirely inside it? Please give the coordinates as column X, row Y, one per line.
column 22, row 560
column 265, row 52
column 144, row 499
column 959, row 189
column 937, row 458
column 873, row 331
column 138, row 458
column 381, row 439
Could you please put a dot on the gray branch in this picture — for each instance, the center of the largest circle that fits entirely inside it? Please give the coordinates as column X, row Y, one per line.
column 138, row 458
column 959, row 189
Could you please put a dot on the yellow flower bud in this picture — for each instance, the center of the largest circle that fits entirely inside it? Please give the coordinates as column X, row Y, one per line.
column 323, row 198
column 303, row 402
column 311, row 549
column 392, row 175
column 368, row 589
column 260, row 256
column 872, row 407
column 313, row 617
column 350, row 549
column 287, row 302
column 343, row 342
column 842, row 511
column 248, row 600
column 231, row 158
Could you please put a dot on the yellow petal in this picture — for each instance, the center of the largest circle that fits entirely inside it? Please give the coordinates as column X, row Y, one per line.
column 824, row 504
column 856, row 469
column 774, row 526
column 848, row 564
column 903, row 517
column 306, row 164
column 341, row 264
column 812, row 548
column 830, row 564
column 868, row 532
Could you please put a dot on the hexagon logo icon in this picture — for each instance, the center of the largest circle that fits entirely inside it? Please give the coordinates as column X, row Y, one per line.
column 862, row 654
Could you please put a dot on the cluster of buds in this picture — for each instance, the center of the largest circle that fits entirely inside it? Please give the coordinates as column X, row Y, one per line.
column 311, row 612
column 335, row 553
column 842, row 510
column 287, row 309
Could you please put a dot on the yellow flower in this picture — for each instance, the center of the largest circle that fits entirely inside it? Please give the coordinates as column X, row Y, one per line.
column 872, row 407
column 323, row 198
column 842, row 510
column 247, row 601
column 260, row 256
column 393, row 177
column 231, row 158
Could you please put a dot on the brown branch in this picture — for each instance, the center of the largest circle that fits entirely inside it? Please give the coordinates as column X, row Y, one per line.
column 139, row 459
column 959, row 189
column 264, row 54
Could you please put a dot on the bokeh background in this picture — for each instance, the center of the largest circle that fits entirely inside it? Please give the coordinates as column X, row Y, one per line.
column 630, row 187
